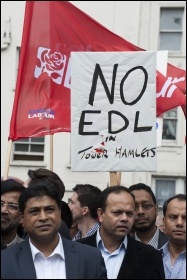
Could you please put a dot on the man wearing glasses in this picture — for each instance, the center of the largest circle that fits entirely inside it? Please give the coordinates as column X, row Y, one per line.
column 10, row 215
column 145, row 227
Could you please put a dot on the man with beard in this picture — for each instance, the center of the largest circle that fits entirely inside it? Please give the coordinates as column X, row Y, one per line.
column 145, row 227
column 125, row 258
column 10, row 215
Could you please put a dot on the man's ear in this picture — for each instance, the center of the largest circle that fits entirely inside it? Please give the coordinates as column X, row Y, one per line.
column 100, row 214
column 85, row 210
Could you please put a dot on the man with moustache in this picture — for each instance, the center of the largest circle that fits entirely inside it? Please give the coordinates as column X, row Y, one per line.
column 144, row 226
column 174, row 251
column 45, row 254
column 10, row 215
column 125, row 258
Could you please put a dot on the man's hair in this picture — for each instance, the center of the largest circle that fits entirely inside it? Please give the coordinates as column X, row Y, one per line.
column 87, row 196
column 141, row 186
column 177, row 196
column 46, row 175
column 66, row 214
column 38, row 189
column 102, row 200
column 11, row 185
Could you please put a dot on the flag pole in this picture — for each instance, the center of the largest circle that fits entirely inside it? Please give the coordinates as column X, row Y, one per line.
column 51, row 152
column 7, row 164
column 118, row 178
column 113, row 178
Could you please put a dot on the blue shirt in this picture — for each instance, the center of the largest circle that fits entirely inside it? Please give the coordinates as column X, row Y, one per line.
column 112, row 260
column 178, row 269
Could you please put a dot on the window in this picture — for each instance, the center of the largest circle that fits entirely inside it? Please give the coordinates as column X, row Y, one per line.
column 169, row 125
column 171, row 28
column 164, row 189
column 29, row 149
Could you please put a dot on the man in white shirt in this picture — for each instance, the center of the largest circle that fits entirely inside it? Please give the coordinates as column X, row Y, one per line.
column 45, row 254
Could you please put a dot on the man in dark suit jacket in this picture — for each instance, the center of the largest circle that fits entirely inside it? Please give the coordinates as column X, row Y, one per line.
column 17, row 262
column 46, row 175
column 125, row 258
column 45, row 254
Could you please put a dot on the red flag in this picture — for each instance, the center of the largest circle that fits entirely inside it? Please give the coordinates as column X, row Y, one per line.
column 168, row 95
column 52, row 29
column 177, row 76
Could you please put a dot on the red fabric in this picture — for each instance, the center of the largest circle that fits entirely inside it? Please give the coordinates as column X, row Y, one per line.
column 178, row 77
column 168, row 96
column 52, row 29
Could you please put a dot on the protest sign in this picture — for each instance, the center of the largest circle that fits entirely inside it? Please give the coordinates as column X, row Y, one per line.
column 113, row 111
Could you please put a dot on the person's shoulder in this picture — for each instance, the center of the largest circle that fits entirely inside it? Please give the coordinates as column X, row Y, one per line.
column 162, row 235
column 87, row 240
column 80, row 246
column 11, row 250
column 146, row 247
column 64, row 230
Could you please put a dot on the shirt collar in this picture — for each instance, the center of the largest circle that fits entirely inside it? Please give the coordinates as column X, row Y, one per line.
column 59, row 250
column 153, row 241
column 90, row 232
column 165, row 249
column 99, row 241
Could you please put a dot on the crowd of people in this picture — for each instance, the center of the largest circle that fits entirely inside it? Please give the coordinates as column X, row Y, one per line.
column 117, row 233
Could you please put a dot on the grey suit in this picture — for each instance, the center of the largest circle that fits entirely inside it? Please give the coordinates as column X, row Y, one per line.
column 81, row 261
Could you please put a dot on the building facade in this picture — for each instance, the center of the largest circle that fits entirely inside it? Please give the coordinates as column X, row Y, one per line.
column 151, row 25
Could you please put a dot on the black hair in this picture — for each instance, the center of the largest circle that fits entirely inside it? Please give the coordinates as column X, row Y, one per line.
column 141, row 186
column 10, row 185
column 38, row 189
column 87, row 196
column 66, row 214
column 178, row 196
column 47, row 175
column 102, row 201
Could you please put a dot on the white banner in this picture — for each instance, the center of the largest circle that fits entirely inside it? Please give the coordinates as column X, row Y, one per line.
column 113, row 111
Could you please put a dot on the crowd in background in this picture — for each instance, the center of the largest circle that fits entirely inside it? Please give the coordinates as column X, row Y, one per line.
column 117, row 233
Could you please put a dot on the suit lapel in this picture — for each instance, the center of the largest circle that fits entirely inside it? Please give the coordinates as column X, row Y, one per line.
column 27, row 266
column 130, row 260
column 71, row 259
column 26, row 261
column 92, row 240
